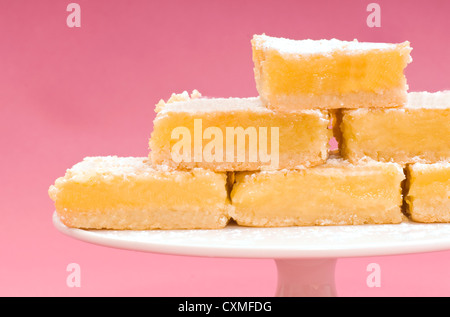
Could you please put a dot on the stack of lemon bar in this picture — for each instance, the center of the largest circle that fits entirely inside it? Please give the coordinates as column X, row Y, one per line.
column 266, row 161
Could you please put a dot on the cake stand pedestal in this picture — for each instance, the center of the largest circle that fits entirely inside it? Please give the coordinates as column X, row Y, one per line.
column 305, row 256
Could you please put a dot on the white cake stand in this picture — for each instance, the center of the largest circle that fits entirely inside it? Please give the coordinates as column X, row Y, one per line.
column 305, row 256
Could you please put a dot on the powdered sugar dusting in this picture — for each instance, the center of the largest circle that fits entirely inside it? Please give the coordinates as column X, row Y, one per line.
column 364, row 167
column 289, row 46
column 431, row 100
column 215, row 104
column 416, row 100
column 109, row 167
column 228, row 105
column 442, row 165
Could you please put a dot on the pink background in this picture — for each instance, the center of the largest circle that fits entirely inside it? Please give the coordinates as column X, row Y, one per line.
column 67, row 93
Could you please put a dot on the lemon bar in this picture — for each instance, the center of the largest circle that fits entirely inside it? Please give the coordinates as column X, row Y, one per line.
column 294, row 74
column 236, row 134
column 335, row 193
column 428, row 192
column 128, row 193
column 416, row 133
